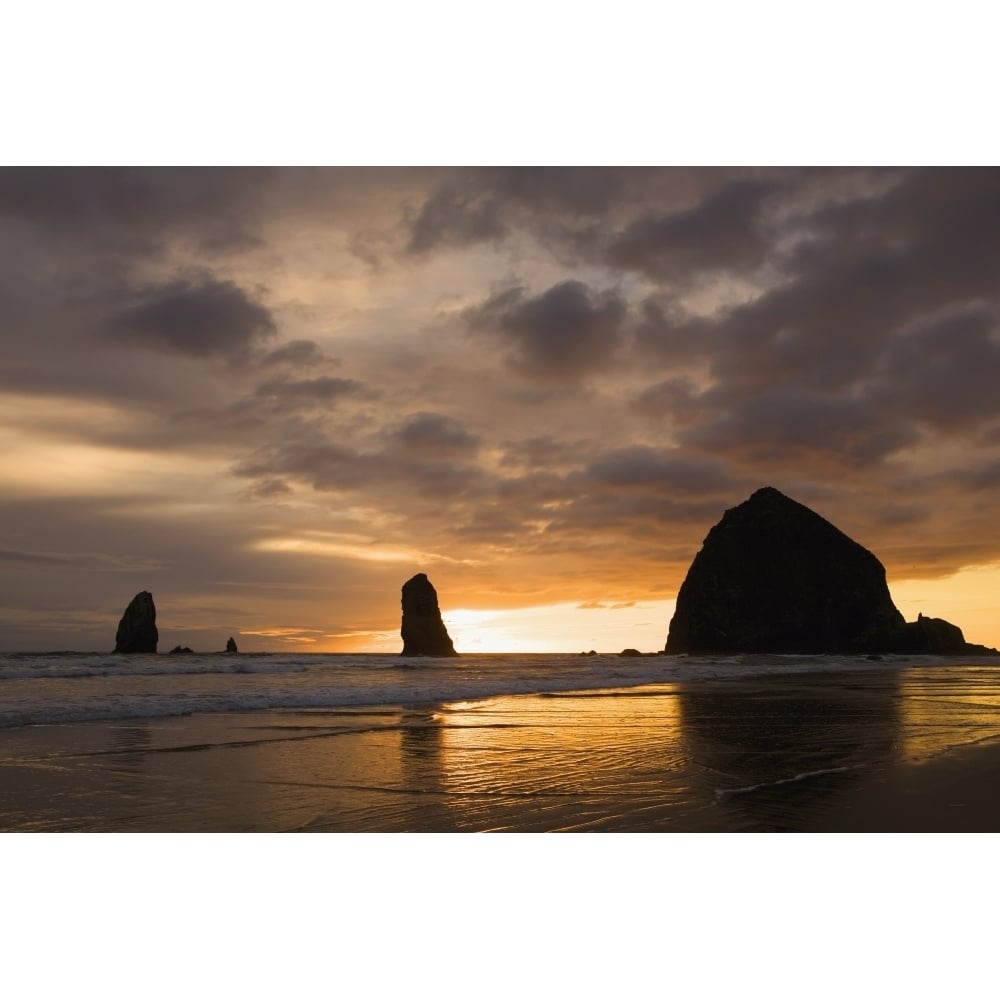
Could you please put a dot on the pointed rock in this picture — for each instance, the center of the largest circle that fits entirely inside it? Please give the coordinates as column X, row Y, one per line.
column 423, row 630
column 231, row 645
column 137, row 628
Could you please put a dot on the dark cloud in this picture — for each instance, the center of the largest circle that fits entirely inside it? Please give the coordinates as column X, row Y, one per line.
column 883, row 326
column 867, row 267
column 452, row 218
column 724, row 231
column 564, row 333
column 669, row 469
column 433, row 434
column 197, row 318
column 324, row 389
column 432, row 468
column 133, row 208
column 674, row 400
column 92, row 561
column 487, row 204
column 569, row 209
column 577, row 190
column 269, row 488
column 943, row 373
column 296, row 353
column 790, row 426
column 542, row 452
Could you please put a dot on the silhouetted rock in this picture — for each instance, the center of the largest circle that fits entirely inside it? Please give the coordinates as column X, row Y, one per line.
column 423, row 630
column 935, row 635
column 630, row 652
column 137, row 628
column 231, row 645
column 774, row 577
column 181, row 649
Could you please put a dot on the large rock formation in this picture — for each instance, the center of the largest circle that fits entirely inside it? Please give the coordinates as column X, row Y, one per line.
column 137, row 628
column 423, row 630
column 774, row 577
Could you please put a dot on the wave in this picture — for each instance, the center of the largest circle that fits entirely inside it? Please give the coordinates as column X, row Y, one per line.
column 725, row 793
column 72, row 687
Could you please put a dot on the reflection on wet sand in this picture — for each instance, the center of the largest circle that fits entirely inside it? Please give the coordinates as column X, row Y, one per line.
column 579, row 761
column 943, row 711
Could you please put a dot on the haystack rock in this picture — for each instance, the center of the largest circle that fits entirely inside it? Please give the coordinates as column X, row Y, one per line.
column 137, row 629
column 231, row 645
column 423, row 630
column 774, row 577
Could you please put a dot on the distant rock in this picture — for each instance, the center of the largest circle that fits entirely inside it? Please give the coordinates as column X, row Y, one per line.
column 231, row 645
column 630, row 652
column 423, row 630
column 774, row 577
column 935, row 635
column 181, row 649
column 137, row 628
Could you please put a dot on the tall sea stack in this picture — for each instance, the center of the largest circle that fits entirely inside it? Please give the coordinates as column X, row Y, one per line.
column 774, row 577
column 137, row 629
column 423, row 630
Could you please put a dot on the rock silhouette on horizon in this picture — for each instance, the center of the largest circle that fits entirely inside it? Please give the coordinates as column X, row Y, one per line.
column 423, row 631
column 231, row 645
column 137, row 629
column 774, row 577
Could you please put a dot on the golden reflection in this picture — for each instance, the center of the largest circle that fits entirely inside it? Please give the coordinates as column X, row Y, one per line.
column 559, row 761
column 945, row 709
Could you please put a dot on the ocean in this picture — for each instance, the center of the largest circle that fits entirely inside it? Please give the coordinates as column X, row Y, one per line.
column 356, row 743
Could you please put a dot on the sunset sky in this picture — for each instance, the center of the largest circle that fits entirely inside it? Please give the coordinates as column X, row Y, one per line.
column 270, row 396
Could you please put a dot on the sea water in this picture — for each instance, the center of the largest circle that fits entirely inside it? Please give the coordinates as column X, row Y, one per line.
column 63, row 687
column 338, row 743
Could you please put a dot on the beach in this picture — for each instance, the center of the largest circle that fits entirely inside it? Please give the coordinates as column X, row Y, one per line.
column 863, row 750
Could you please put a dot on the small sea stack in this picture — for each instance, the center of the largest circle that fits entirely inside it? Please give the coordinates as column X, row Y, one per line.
column 137, row 628
column 423, row 630
column 231, row 645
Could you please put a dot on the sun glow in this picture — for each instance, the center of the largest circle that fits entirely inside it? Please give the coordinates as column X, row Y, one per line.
column 560, row 628
column 348, row 547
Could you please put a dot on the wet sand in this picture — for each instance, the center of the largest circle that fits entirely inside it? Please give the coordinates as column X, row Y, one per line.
column 881, row 751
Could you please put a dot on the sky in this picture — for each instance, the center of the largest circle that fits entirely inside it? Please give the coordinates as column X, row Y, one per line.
column 271, row 395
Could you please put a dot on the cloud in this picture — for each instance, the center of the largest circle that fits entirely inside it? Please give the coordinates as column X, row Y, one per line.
column 450, row 217
column 93, row 561
column 490, row 203
column 323, row 389
column 434, row 435
column 542, row 452
column 561, row 335
column 133, row 209
column 795, row 426
column 668, row 469
column 943, row 372
column 296, row 353
column 197, row 318
column 724, row 231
